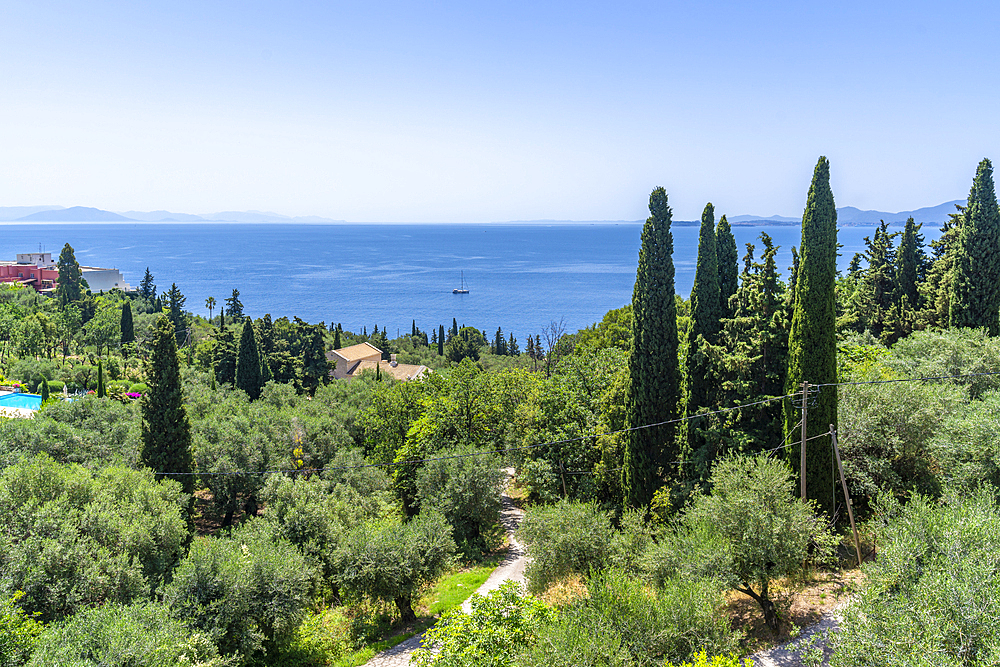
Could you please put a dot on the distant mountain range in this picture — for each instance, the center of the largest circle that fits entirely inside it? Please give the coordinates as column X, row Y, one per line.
column 87, row 214
column 847, row 216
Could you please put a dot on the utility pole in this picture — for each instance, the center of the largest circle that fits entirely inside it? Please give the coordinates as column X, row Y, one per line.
column 802, row 454
column 847, row 495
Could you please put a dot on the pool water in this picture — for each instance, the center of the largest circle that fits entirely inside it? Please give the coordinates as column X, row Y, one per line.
column 29, row 401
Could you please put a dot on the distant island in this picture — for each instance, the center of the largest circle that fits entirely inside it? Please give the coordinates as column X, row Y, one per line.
column 847, row 216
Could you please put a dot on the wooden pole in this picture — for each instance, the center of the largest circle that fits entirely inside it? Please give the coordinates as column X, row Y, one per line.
column 847, row 495
column 802, row 454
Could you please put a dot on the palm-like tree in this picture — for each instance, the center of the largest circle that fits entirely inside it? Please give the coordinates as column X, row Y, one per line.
column 210, row 304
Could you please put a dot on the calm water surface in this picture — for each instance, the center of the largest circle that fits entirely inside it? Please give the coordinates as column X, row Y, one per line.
column 520, row 277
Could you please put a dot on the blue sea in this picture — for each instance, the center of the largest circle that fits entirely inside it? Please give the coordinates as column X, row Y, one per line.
column 520, row 277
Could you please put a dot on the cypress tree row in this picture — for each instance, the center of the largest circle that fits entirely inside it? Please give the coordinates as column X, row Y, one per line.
column 975, row 286
column 812, row 341
column 725, row 244
column 248, row 372
column 653, row 390
column 128, row 330
column 166, row 433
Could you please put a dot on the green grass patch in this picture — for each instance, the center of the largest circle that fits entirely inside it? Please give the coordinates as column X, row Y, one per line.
column 363, row 655
column 324, row 637
column 453, row 589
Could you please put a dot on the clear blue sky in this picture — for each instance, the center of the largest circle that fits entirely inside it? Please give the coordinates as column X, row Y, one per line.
column 467, row 111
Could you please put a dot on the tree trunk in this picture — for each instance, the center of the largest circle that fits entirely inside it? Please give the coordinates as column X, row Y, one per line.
column 405, row 609
column 766, row 605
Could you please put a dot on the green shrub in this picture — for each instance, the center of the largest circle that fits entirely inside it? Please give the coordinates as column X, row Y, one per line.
column 501, row 624
column 247, row 589
column 968, row 444
column 885, row 434
column 88, row 431
column 18, row 632
column 56, row 387
column 140, row 635
column 958, row 351
column 565, row 538
column 72, row 538
column 138, row 388
column 539, row 480
column 466, row 491
column 317, row 514
column 933, row 595
column 625, row 623
column 701, row 659
column 321, row 639
column 30, row 372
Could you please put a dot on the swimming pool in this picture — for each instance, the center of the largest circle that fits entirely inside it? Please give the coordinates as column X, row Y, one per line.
column 28, row 401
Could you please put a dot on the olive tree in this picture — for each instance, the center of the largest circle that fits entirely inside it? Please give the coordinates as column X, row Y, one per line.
column 394, row 561
column 248, row 590
column 755, row 517
column 71, row 538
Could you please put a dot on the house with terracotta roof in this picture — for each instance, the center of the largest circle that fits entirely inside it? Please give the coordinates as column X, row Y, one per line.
column 350, row 362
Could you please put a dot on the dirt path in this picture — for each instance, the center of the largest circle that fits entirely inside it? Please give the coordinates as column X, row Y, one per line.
column 811, row 638
column 510, row 568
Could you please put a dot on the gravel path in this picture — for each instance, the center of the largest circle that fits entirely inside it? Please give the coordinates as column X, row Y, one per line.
column 790, row 654
column 511, row 567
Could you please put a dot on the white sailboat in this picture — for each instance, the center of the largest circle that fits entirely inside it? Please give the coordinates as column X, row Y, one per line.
column 463, row 289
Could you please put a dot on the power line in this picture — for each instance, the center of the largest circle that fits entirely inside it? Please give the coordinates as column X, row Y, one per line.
column 920, row 379
column 480, row 453
column 585, row 437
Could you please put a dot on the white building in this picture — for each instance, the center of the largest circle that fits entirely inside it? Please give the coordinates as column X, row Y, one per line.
column 42, row 260
column 104, row 280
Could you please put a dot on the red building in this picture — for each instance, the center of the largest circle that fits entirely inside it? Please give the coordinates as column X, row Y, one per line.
column 34, row 269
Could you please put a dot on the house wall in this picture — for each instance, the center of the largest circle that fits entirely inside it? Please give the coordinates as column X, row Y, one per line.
column 104, row 280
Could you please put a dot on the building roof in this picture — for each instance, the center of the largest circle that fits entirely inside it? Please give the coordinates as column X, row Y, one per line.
column 356, row 352
column 402, row 372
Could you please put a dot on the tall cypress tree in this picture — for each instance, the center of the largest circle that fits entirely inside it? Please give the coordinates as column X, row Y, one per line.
column 705, row 310
column 166, row 433
column 128, row 330
column 975, row 286
column 248, row 372
column 812, row 341
column 100, row 379
column 440, row 340
column 725, row 244
column 706, row 322
column 653, row 371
